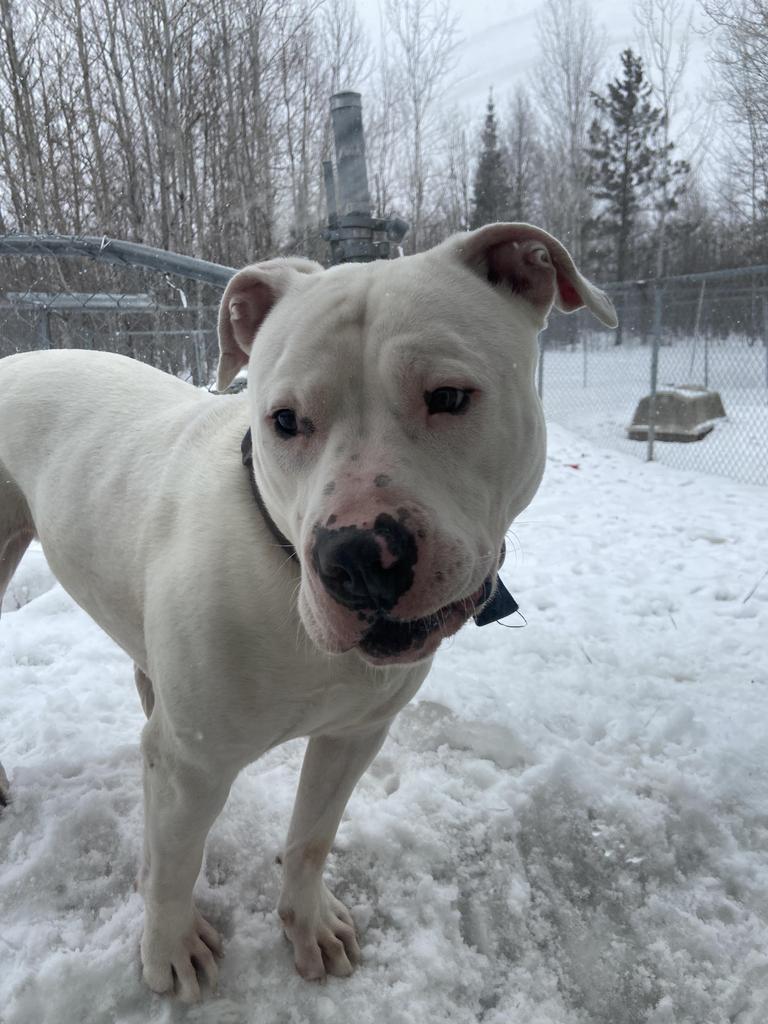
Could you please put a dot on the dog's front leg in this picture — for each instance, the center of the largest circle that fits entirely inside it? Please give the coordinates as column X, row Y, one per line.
column 182, row 798
column 319, row 925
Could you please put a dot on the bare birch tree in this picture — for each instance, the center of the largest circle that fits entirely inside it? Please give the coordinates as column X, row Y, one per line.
column 740, row 55
column 524, row 157
column 23, row 154
column 382, row 130
column 424, row 44
column 572, row 47
column 665, row 31
column 456, row 190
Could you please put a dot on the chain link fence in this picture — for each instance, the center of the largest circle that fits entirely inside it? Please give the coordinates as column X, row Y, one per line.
column 114, row 296
column 682, row 333
column 707, row 330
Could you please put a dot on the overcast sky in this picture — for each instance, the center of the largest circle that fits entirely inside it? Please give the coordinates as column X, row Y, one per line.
column 499, row 44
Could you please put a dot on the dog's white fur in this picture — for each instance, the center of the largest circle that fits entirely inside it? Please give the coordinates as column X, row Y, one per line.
column 133, row 483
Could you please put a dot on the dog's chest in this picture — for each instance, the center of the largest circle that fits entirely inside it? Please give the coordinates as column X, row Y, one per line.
column 311, row 696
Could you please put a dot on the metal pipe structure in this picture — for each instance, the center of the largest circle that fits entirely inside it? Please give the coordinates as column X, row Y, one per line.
column 354, row 235
column 349, row 139
column 113, row 250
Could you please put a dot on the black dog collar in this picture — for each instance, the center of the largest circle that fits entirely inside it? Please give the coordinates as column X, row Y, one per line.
column 246, row 449
column 498, row 607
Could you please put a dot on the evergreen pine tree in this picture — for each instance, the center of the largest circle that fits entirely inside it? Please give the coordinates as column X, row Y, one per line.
column 490, row 199
column 630, row 163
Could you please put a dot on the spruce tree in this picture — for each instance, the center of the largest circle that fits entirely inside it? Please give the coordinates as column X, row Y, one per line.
column 490, row 199
column 630, row 162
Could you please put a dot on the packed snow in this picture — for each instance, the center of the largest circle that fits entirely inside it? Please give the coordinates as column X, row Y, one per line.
column 569, row 825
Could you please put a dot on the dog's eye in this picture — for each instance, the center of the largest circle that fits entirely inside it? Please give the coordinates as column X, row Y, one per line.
column 285, row 423
column 450, row 400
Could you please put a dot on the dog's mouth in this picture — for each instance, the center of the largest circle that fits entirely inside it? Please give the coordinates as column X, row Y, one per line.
column 390, row 640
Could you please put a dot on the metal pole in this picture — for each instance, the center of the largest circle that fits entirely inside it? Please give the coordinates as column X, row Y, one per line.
column 706, row 360
column 765, row 340
column 540, row 370
column 113, row 250
column 44, row 329
column 347, row 118
column 697, row 327
column 355, row 236
column 200, row 375
column 584, row 368
column 657, row 308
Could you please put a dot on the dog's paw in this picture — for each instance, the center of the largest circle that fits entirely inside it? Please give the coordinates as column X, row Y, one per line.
column 323, row 936
column 176, row 959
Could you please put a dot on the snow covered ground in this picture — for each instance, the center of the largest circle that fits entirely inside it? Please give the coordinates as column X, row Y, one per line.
column 569, row 826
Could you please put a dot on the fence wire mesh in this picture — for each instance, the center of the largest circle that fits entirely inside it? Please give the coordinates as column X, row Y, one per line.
column 711, row 331
column 113, row 296
column 712, row 334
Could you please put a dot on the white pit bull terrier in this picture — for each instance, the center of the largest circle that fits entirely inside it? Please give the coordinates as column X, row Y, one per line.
column 396, row 435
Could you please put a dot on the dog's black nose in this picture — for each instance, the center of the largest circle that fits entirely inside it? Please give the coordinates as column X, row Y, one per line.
column 349, row 563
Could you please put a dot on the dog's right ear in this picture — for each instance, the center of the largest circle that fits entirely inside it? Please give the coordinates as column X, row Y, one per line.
column 248, row 298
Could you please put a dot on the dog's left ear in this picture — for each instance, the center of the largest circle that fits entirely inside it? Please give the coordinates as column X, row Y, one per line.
column 534, row 265
column 248, row 298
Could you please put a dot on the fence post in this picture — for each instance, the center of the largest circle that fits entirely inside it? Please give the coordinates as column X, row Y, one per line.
column 697, row 329
column 540, row 370
column 43, row 330
column 657, row 318
column 200, row 370
column 584, row 368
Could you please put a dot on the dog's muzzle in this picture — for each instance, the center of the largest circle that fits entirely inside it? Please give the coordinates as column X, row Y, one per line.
column 369, row 570
column 349, row 563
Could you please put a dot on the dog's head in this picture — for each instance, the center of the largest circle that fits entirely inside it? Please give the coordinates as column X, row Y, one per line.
column 396, row 428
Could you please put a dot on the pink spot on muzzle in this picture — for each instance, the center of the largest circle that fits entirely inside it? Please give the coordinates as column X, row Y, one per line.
column 386, row 556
